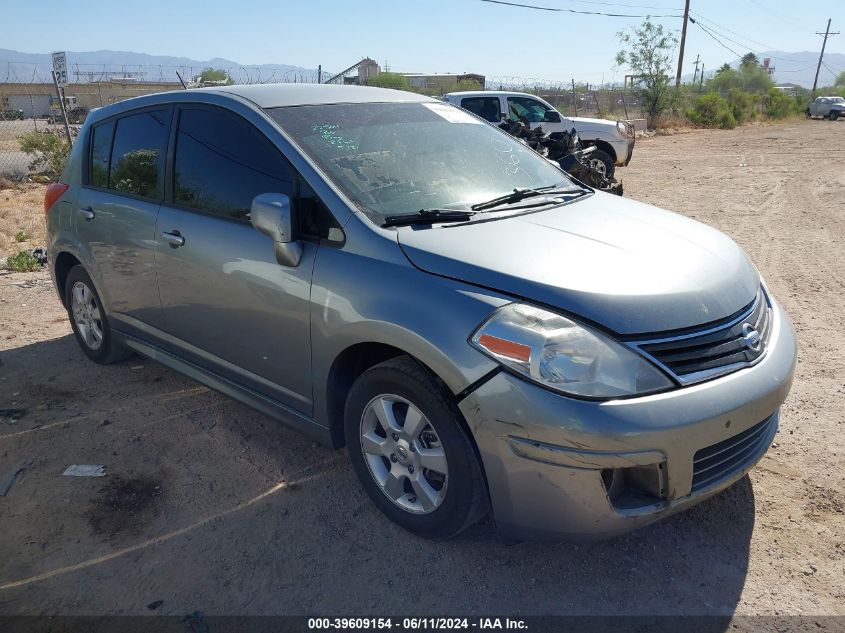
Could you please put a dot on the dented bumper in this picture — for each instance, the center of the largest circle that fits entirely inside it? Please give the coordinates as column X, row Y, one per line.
column 561, row 468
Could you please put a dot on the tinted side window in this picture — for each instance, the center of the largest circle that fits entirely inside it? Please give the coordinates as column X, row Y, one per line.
column 138, row 154
column 101, row 137
column 222, row 162
column 485, row 107
column 523, row 107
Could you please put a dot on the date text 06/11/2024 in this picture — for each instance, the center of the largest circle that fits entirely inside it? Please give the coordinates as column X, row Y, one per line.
column 416, row 624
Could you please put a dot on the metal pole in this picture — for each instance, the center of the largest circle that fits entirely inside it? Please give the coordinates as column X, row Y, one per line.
column 827, row 34
column 683, row 41
column 61, row 95
column 574, row 98
column 319, row 73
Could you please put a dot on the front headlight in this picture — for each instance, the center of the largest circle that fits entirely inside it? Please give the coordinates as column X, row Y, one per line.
column 625, row 128
column 559, row 353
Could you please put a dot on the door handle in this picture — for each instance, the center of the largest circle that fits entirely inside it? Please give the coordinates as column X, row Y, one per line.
column 87, row 213
column 174, row 238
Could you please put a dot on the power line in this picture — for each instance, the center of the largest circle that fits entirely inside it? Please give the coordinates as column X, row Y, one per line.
column 718, row 41
column 560, row 10
column 724, row 28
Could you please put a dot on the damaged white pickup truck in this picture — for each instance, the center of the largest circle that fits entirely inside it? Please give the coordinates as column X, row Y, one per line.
column 614, row 140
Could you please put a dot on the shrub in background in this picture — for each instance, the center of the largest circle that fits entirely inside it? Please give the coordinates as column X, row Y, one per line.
column 743, row 105
column 48, row 151
column 23, row 262
column 711, row 110
column 779, row 105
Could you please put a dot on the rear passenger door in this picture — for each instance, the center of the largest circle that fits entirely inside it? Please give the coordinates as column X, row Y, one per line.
column 488, row 108
column 228, row 305
column 116, row 214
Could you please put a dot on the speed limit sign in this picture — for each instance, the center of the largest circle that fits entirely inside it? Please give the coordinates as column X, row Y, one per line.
column 60, row 68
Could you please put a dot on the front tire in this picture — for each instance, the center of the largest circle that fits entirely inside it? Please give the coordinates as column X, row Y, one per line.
column 602, row 162
column 410, row 451
column 89, row 319
column 833, row 116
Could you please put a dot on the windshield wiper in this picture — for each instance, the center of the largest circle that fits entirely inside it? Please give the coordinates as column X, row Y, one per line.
column 427, row 216
column 520, row 194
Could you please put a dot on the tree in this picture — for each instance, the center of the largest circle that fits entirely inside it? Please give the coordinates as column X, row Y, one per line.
column 723, row 68
column 649, row 49
column 747, row 77
column 840, row 80
column 389, row 80
column 214, row 77
column 749, row 59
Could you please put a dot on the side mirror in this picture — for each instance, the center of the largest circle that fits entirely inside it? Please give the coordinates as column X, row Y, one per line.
column 551, row 117
column 271, row 214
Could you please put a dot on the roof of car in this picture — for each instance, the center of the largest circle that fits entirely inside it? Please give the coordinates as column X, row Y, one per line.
column 278, row 95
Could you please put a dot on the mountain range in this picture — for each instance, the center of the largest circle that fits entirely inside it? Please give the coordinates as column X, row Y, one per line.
column 19, row 67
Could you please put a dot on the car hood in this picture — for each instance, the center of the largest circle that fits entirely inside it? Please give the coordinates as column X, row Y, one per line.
column 628, row 266
column 583, row 123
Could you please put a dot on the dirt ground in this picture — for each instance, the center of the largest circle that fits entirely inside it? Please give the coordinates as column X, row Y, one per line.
column 210, row 506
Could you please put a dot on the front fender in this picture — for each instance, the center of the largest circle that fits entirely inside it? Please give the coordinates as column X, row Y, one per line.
column 375, row 295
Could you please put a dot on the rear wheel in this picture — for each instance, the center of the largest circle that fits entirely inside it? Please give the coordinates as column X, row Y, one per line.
column 833, row 116
column 410, row 451
column 89, row 320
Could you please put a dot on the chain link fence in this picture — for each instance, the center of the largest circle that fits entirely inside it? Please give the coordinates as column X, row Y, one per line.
column 29, row 104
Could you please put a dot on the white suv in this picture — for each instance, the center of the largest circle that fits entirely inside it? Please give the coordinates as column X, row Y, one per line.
column 614, row 140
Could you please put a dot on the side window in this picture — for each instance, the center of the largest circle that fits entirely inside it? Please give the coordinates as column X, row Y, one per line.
column 138, row 153
column 222, row 162
column 531, row 109
column 485, row 107
column 313, row 219
column 101, row 137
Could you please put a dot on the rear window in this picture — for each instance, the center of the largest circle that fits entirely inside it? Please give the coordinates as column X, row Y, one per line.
column 138, row 154
column 485, row 107
column 100, row 154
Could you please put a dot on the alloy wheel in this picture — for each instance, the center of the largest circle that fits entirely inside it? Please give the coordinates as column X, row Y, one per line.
column 87, row 315
column 404, row 454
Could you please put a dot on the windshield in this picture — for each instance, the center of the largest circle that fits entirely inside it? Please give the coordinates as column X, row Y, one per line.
column 397, row 158
column 838, row 100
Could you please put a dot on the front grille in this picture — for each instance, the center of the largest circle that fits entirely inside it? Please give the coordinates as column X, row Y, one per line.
column 721, row 460
column 716, row 351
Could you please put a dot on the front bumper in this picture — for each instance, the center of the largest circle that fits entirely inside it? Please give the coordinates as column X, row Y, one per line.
column 624, row 151
column 547, row 457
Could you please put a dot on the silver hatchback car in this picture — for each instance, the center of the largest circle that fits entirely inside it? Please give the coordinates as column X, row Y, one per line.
column 390, row 273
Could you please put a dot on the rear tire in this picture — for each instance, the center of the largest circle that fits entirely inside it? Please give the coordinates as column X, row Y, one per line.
column 410, row 451
column 833, row 116
column 89, row 319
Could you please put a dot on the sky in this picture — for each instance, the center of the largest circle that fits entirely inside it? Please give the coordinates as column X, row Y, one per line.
column 422, row 36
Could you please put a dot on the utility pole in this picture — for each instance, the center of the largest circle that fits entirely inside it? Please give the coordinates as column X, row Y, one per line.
column 695, row 76
column 826, row 34
column 701, row 85
column 683, row 41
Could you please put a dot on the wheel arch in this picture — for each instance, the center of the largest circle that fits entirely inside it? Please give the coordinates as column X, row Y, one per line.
column 606, row 147
column 64, row 262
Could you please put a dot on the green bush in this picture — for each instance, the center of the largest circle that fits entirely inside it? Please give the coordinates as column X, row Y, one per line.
column 21, row 236
column 48, row 150
column 779, row 105
column 711, row 110
column 396, row 81
column 23, row 262
column 743, row 105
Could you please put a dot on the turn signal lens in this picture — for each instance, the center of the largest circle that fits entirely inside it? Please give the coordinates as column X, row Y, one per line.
column 54, row 192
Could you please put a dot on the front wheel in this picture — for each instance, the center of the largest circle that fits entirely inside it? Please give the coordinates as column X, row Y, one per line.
column 602, row 162
column 833, row 116
column 410, row 452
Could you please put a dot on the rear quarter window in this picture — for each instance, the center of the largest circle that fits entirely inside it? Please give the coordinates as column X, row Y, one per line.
column 138, row 154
